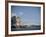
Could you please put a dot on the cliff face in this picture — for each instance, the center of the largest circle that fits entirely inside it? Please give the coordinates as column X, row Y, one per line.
column 16, row 21
column 13, row 20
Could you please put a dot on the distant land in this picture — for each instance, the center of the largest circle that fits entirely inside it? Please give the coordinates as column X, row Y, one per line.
column 25, row 27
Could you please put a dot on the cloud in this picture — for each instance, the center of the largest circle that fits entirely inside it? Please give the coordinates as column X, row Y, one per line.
column 21, row 13
column 13, row 14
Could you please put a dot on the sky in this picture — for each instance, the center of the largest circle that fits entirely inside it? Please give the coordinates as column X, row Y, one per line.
column 29, row 15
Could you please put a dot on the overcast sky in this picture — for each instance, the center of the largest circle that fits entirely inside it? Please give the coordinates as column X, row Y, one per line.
column 29, row 15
